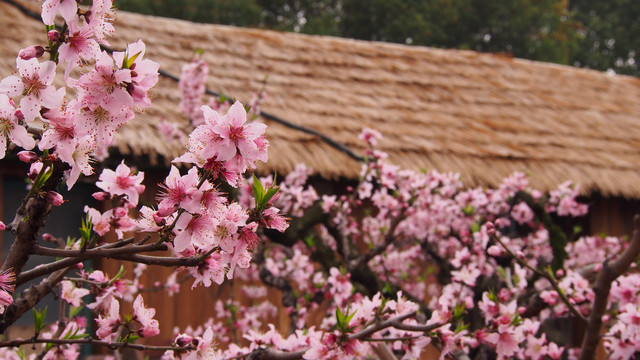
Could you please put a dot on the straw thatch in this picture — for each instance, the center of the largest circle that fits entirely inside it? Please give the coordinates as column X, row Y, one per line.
column 484, row 116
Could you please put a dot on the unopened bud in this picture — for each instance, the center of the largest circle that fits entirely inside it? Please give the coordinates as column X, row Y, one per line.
column 2, row 226
column 48, row 237
column 521, row 310
column 30, row 52
column 100, row 195
column 19, row 114
column 184, row 340
column 27, row 156
column 159, row 220
column 559, row 273
column 54, row 35
column 35, row 169
column 55, row 198
column 79, row 265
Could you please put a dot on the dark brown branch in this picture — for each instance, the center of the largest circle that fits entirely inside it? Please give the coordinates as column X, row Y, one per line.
column 78, row 256
column 29, row 298
column 609, row 272
column 271, row 354
column 14, row 343
column 388, row 239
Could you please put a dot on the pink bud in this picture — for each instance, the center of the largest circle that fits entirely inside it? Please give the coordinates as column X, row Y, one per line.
column 522, row 310
column 55, row 198
column 559, row 273
column 504, row 295
column 160, row 221
column 48, row 237
column 30, row 52
column 165, row 211
column 120, row 212
column 100, row 195
column 183, row 340
column 157, row 284
column 495, row 250
column 35, row 169
column 19, row 114
column 27, row 156
column 54, row 35
column 2, row 226
column 597, row 268
column 79, row 265
column 606, row 318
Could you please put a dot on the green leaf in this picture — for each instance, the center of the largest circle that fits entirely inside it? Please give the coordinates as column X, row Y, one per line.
column 38, row 319
column 128, row 61
column 118, row 275
column 258, row 191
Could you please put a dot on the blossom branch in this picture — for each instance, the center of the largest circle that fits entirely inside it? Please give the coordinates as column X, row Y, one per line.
column 388, row 240
column 609, row 272
column 92, row 341
column 29, row 298
column 546, row 275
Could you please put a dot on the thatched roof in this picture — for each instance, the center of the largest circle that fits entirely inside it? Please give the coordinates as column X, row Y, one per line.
column 484, row 116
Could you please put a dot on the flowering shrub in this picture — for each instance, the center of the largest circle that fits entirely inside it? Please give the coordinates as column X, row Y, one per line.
column 401, row 262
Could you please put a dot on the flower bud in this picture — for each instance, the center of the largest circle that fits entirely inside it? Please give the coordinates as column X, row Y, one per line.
column 54, row 35
column 100, row 195
column 159, row 220
column 19, row 114
column 559, row 273
column 48, row 237
column 55, row 198
column 35, row 169
column 30, row 52
column 2, row 226
column 183, row 340
column 27, row 156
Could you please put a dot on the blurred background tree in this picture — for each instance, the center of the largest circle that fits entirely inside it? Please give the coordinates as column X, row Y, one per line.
column 596, row 34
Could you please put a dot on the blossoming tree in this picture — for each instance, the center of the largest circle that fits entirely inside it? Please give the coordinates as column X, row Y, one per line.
column 401, row 262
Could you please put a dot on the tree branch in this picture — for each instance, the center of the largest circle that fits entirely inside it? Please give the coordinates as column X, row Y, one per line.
column 608, row 273
column 29, row 298
column 14, row 343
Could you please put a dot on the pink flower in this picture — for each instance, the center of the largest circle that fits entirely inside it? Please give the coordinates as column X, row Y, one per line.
column 60, row 133
column 123, row 181
column 72, row 294
column 371, row 136
column 108, row 325
column 522, row 213
column 150, row 327
column 80, row 160
column 34, row 84
column 209, row 270
column 101, row 222
column 180, row 191
column 68, row 10
column 80, row 45
column 144, row 72
column 11, row 129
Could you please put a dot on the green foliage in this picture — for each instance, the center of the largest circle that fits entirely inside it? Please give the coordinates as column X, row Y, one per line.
column 588, row 33
column 229, row 12
column 607, row 35
column 343, row 320
column 263, row 196
column 38, row 319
